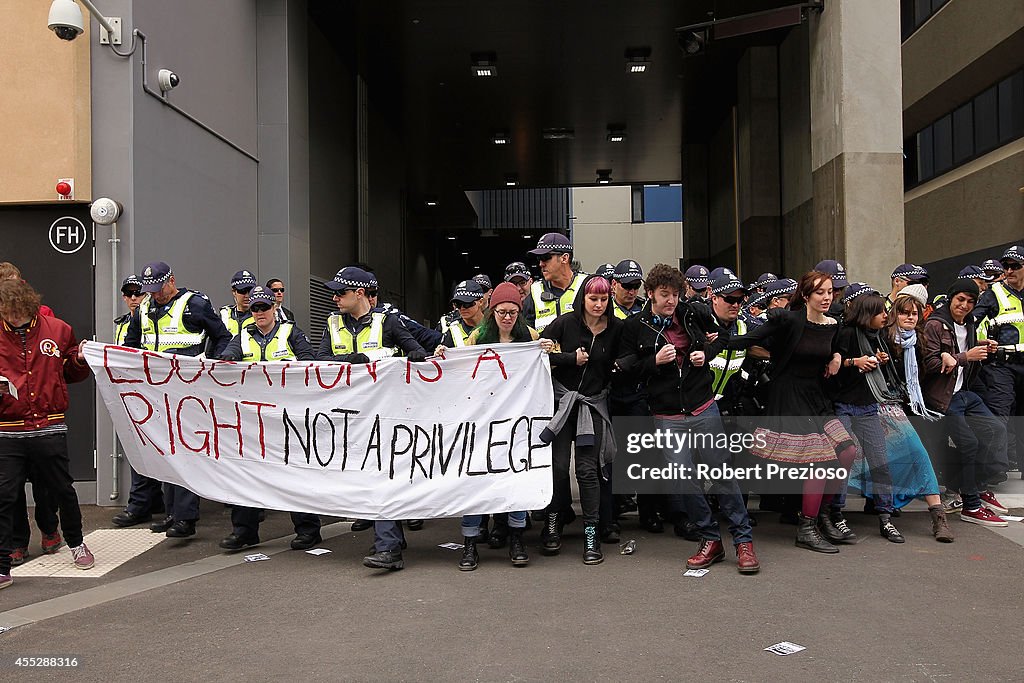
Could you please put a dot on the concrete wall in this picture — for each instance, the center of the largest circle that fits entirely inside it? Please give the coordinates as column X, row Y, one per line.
column 603, row 231
column 796, row 186
column 44, row 107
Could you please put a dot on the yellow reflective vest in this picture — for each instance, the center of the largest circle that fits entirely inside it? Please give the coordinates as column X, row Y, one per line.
column 168, row 332
column 545, row 312
column 368, row 341
column 726, row 364
column 1010, row 314
column 234, row 326
column 277, row 348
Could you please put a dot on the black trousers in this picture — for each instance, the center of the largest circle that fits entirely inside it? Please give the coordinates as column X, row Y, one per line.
column 47, row 458
column 45, row 513
column 1003, row 393
column 245, row 522
column 587, row 470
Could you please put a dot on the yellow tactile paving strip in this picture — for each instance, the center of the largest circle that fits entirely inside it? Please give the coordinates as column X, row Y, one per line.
column 111, row 548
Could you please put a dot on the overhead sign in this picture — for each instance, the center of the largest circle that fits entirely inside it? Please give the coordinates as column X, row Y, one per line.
column 385, row 440
column 68, row 235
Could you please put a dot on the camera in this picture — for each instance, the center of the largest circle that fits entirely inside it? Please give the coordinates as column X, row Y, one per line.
column 167, row 79
column 66, row 19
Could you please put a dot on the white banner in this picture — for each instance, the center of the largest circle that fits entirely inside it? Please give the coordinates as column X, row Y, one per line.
column 385, row 440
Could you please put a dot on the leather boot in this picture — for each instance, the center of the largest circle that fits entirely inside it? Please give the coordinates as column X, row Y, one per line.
column 746, row 558
column 708, row 552
column 552, row 534
column 517, row 549
column 470, row 558
column 940, row 527
column 807, row 536
column 499, row 535
column 835, row 528
column 592, row 546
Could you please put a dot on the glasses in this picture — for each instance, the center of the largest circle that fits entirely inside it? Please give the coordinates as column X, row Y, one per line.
column 631, row 286
column 132, row 294
column 243, row 290
column 1012, row 265
column 279, row 290
column 465, row 304
column 733, row 300
column 550, row 255
column 510, row 313
column 260, row 308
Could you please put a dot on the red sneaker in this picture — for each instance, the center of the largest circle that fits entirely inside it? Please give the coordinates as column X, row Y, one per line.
column 82, row 557
column 51, row 543
column 983, row 516
column 5, row 580
column 19, row 556
column 988, row 499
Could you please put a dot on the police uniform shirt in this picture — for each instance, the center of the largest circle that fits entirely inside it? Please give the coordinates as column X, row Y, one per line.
column 393, row 334
column 198, row 316
column 988, row 307
column 424, row 336
column 121, row 328
column 238, row 316
column 297, row 341
column 530, row 312
column 623, row 313
column 449, row 338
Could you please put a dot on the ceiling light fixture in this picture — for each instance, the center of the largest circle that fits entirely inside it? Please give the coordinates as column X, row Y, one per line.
column 604, row 176
column 500, row 137
column 558, row 133
column 484, row 64
column 616, row 133
column 511, row 179
column 430, row 200
column 638, row 59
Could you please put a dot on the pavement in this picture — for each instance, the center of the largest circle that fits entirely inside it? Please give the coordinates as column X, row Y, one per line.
column 185, row 610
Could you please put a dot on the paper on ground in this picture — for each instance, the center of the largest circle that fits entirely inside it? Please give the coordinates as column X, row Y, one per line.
column 451, row 546
column 318, row 551
column 785, row 648
column 256, row 557
column 695, row 572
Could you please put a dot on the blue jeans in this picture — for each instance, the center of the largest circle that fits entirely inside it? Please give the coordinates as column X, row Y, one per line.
column 980, row 439
column 730, row 499
column 471, row 523
column 387, row 536
column 865, row 423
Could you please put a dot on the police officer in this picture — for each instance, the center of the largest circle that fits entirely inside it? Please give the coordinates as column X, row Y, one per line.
column 605, row 270
column 1000, row 316
column 727, row 295
column 993, row 269
column 131, row 293
column 360, row 334
column 236, row 316
column 518, row 274
column 182, row 322
column 697, row 282
column 627, row 278
column 144, row 496
column 762, row 281
column 555, row 293
column 903, row 275
column 977, row 274
column 485, row 283
column 424, row 336
column 267, row 339
column 468, row 296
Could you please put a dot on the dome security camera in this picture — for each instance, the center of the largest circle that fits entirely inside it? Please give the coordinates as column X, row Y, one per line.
column 66, row 19
column 104, row 211
column 167, row 79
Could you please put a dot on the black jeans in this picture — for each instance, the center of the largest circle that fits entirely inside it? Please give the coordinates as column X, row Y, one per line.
column 45, row 514
column 245, row 522
column 47, row 458
column 587, row 467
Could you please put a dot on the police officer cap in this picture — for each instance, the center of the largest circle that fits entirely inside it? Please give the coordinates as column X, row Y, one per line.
column 835, row 270
column 970, row 272
column 628, row 271
column 468, row 291
column 763, row 279
column 154, row 275
column 243, row 279
column 606, row 270
column 719, row 272
column 552, row 242
column 911, row 272
column 131, row 282
column 351, row 277
column 992, row 267
column 857, row 289
column 261, row 295
column 726, row 284
column 1014, row 253
column 519, row 269
column 483, row 281
column 698, row 277
column 782, row 287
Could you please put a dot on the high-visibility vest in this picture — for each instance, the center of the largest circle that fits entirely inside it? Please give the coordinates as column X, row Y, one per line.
column 234, row 326
column 622, row 313
column 169, row 331
column 121, row 329
column 1011, row 313
column 459, row 334
column 277, row 348
column 545, row 312
column 368, row 341
column 726, row 364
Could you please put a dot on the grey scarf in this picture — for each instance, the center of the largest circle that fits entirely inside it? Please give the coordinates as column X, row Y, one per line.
column 585, row 435
column 908, row 340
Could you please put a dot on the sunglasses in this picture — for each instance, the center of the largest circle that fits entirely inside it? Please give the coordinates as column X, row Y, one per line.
column 242, row 290
column 632, row 286
column 1012, row 265
column 733, row 300
column 132, row 293
column 465, row 304
column 260, row 308
column 506, row 314
column 279, row 290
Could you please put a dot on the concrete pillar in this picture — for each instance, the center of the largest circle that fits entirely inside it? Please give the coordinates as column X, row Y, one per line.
column 283, row 129
column 757, row 162
column 857, row 137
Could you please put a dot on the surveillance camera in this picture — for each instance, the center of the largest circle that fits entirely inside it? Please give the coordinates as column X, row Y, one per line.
column 104, row 211
column 167, row 79
column 66, row 19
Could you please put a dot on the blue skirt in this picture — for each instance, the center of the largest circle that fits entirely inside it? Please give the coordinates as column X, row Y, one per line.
column 909, row 464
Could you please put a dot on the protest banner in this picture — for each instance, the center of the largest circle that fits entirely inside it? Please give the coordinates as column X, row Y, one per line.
column 390, row 439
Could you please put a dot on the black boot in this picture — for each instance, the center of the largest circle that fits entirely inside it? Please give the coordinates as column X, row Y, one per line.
column 592, row 548
column 835, row 529
column 552, row 534
column 499, row 535
column 517, row 549
column 888, row 530
column 470, row 558
column 807, row 536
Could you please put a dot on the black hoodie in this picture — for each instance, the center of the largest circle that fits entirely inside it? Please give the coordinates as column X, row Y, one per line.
column 571, row 332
